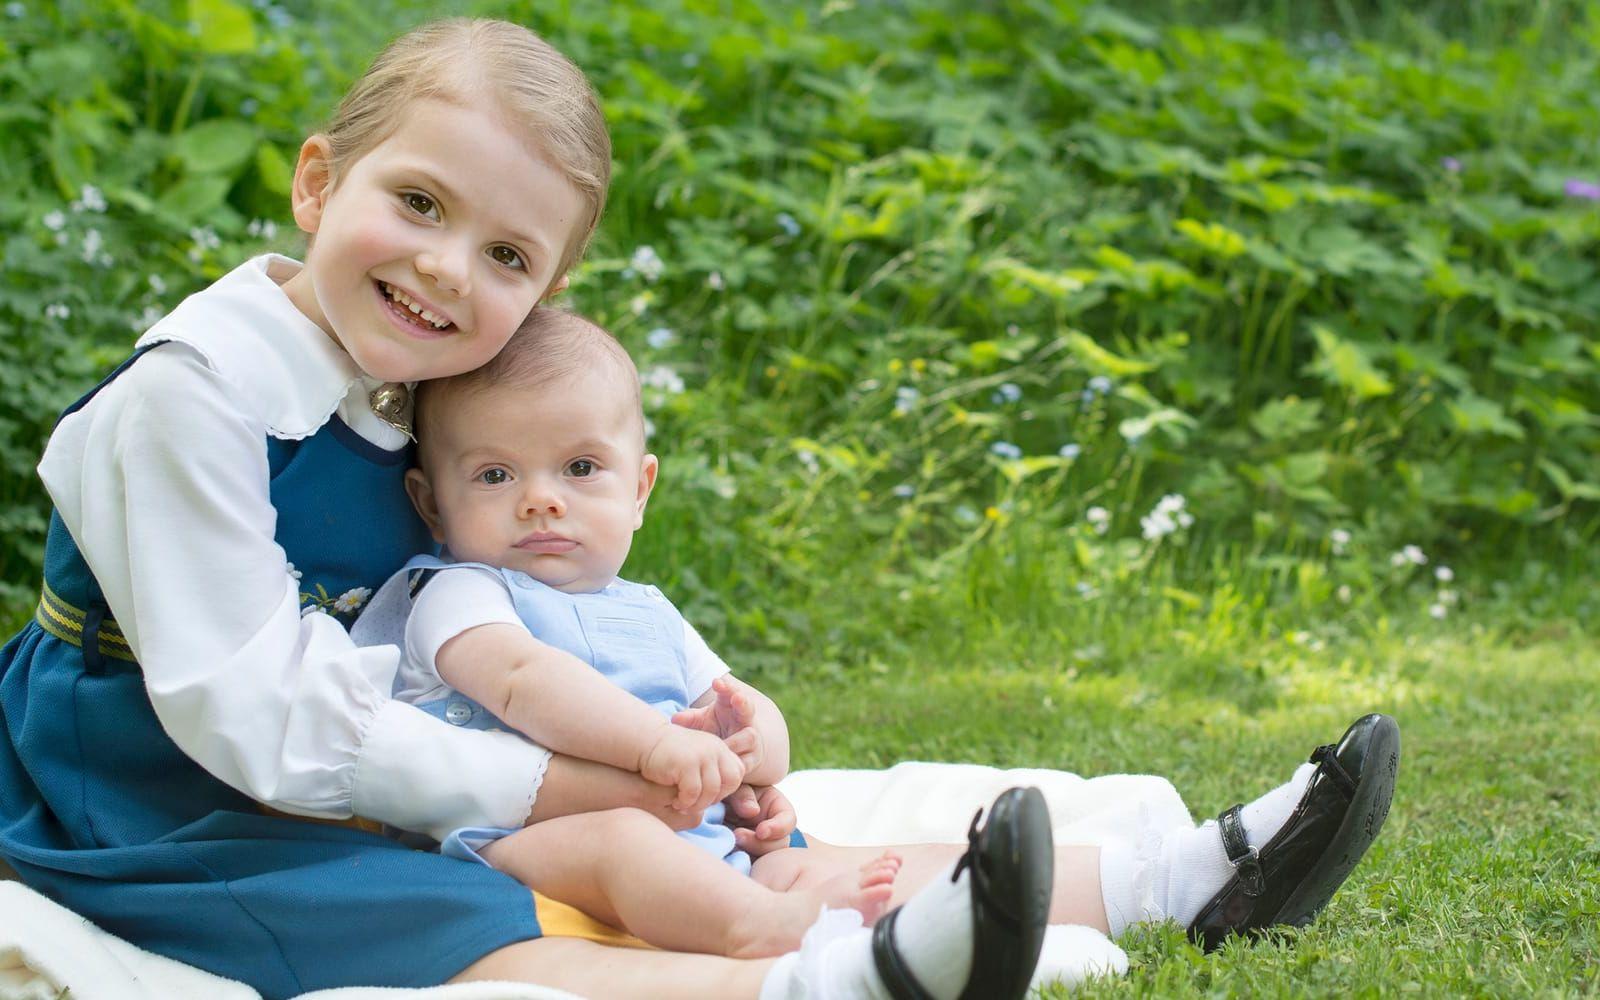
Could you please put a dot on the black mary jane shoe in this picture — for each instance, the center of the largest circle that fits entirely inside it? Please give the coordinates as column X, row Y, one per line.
column 1293, row 876
column 1012, row 865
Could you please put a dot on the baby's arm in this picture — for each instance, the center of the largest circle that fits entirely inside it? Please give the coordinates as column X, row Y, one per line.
column 749, row 722
column 562, row 703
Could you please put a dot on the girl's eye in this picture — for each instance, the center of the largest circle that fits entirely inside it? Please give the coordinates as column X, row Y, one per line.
column 507, row 257
column 420, row 203
column 581, row 469
column 494, row 477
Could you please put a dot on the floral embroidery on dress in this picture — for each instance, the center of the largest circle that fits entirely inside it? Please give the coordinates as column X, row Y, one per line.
column 345, row 605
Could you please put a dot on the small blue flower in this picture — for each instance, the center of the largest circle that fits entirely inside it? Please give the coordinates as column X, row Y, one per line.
column 1005, row 449
column 1070, row 451
column 1451, row 164
column 787, row 223
column 1100, row 385
column 1007, row 392
column 905, row 491
column 660, row 337
column 905, row 399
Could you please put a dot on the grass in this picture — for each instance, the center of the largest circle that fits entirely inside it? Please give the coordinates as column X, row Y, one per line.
column 1486, row 880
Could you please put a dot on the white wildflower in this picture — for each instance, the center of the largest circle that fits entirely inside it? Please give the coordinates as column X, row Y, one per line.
column 1414, row 555
column 1069, row 451
column 905, row 399
column 1340, row 538
column 662, row 379
column 351, row 600
column 92, row 242
column 905, row 491
column 660, row 337
column 1345, row 593
column 157, row 284
column 1397, row 559
column 714, row 281
column 1438, row 610
column 638, row 304
column 90, row 200
column 1444, row 574
column 1448, row 598
column 647, row 263
column 54, row 221
column 1157, row 525
column 57, row 310
column 808, row 459
column 1099, row 519
column 649, row 428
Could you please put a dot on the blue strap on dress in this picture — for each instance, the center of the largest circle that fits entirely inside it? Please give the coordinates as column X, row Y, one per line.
column 101, row 812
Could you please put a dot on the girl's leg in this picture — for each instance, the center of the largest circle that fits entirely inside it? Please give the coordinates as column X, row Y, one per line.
column 1077, row 898
column 595, row 970
column 624, row 867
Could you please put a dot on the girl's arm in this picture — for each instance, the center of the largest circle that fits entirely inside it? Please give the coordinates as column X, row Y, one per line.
column 162, row 481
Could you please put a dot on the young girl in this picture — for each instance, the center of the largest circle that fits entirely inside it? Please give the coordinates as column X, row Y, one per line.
column 226, row 500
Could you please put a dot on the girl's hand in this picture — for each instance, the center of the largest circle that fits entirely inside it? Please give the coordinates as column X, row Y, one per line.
column 762, row 819
column 730, row 712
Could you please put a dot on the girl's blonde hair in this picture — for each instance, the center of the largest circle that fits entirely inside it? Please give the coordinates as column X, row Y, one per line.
column 466, row 59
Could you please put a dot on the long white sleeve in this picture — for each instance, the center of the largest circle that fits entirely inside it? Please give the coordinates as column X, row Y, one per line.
column 162, row 481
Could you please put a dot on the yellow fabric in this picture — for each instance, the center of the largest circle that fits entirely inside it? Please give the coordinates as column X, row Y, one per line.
column 560, row 920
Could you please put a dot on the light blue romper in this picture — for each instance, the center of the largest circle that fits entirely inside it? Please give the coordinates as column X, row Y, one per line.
column 627, row 631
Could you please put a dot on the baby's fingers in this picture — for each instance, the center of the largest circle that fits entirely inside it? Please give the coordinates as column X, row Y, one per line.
column 746, row 745
column 690, row 785
column 743, row 802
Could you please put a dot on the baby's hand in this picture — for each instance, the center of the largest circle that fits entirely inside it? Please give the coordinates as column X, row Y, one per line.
column 698, row 764
column 730, row 712
column 762, row 819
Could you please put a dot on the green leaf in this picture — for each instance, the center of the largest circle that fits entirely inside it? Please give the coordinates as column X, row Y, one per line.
column 1569, row 488
column 217, row 146
column 1174, row 423
column 222, row 27
column 1476, row 415
column 273, row 167
column 194, row 197
column 1101, row 361
column 1283, row 419
column 1346, row 364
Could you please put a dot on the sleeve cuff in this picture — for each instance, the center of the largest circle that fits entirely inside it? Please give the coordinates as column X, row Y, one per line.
column 421, row 774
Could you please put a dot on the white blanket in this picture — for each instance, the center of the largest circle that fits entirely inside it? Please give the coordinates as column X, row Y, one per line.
column 47, row 952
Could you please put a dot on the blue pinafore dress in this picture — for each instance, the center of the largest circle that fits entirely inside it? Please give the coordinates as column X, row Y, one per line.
column 101, row 812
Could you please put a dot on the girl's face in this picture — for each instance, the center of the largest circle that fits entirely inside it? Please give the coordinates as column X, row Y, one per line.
column 432, row 246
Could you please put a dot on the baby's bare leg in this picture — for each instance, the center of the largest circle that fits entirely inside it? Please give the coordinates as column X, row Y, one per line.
column 623, row 866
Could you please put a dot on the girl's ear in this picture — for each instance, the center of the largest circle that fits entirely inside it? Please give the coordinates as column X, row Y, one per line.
column 421, row 493
column 556, row 287
column 313, row 180
column 648, row 467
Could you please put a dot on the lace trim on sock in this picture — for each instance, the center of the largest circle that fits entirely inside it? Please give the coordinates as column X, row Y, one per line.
column 831, row 926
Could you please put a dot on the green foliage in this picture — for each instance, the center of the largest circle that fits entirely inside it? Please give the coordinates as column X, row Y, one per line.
column 937, row 296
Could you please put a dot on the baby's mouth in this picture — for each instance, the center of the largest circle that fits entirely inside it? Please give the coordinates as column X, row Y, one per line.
column 411, row 311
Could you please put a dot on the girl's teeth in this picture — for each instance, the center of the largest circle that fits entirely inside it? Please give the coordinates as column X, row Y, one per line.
column 403, row 299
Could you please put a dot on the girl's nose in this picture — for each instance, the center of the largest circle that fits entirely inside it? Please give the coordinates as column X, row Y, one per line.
column 449, row 265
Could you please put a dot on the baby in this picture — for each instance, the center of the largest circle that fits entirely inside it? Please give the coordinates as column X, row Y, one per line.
column 532, row 472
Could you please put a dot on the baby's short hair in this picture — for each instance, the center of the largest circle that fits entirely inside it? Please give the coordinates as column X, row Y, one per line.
column 551, row 344
column 470, row 60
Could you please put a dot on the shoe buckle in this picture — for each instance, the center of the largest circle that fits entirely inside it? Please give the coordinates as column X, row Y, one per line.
column 1251, row 879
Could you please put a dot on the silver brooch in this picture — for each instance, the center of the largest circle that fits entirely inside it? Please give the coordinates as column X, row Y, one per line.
column 391, row 403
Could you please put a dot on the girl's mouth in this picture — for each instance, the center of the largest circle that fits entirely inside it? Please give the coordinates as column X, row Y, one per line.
column 410, row 313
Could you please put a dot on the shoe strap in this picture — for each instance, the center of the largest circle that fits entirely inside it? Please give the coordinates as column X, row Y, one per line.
column 1241, row 855
column 982, row 894
column 1326, row 758
column 892, row 968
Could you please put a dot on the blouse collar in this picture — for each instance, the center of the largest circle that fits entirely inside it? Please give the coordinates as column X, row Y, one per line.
column 290, row 371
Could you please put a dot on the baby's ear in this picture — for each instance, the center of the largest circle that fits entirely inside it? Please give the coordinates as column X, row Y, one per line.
column 421, row 493
column 648, row 467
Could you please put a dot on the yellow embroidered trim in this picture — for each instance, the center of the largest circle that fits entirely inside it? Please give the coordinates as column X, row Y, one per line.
column 66, row 622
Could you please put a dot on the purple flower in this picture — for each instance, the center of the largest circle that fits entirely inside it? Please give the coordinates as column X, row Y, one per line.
column 1587, row 190
column 1451, row 164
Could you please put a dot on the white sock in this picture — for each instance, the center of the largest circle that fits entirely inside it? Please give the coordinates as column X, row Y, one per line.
column 933, row 933
column 1190, row 865
column 1073, row 953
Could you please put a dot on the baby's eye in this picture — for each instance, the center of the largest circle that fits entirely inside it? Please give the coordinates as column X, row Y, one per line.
column 420, row 203
column 494, row 477
column 581, row 468
column 507, row 257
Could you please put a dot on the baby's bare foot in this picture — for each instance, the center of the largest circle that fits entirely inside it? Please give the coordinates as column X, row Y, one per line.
column 779, row 926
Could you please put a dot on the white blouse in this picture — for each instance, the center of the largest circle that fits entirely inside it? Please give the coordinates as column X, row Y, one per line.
column 162, row 480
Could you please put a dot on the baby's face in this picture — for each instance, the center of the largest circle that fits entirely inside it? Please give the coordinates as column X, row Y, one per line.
column 550, row 481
